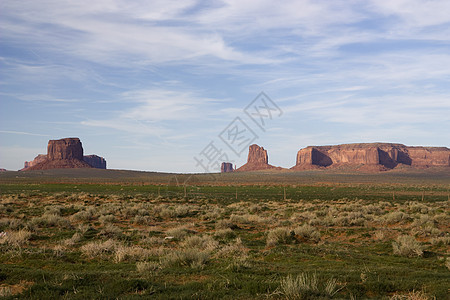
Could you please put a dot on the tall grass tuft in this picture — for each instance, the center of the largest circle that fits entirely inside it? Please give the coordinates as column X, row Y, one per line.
column 406, row 245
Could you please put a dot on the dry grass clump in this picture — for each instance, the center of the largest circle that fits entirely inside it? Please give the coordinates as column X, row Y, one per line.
column 73, row 240
column 134, row 253
column 441, row 240
column 99, row 248
column 298, row 287
column 406, row 245
column 178, row 233
column 50, row 219
column 15, row 238
column 227, row 233
column 105, row 219
column 395, row 217
column 187, row 257
column 147, row 267
column 234, row 249
column 82, row 215
column 308, row 233
column 279, row 235
column 414, row 295
column 306, row 286
column 142, row 220
column 205, row 242
column 224, row 224
column 111, row 231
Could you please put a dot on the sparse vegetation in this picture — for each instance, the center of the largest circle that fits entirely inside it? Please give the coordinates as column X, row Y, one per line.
column 121, row 241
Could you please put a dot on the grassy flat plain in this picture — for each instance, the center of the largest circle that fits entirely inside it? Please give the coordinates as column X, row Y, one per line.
column 106, row 234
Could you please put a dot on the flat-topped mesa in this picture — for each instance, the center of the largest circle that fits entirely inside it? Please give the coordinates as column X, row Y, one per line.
column 383, row 155
column 67, row 153
column 257, row 160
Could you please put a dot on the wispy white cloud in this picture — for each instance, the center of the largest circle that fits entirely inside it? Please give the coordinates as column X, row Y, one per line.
column 22, row 133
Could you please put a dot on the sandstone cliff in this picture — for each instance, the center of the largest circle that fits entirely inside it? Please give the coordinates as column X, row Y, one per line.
column 63, row 153
column 257, row 160
column 226, row 167
column 379, row 155
column 95, row 161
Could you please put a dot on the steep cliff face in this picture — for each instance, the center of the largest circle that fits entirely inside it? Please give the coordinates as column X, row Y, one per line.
column 226, row 167
column 68, row 148
column 95, row 161
column 429, row 156
column 257, row 160
column 385, row 155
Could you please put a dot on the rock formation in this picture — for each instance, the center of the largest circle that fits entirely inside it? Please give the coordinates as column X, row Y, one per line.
column 95, row 161
column 226, row 167
column 65, row 153
column 379, row 155
column 257, row 160
column 38, row 159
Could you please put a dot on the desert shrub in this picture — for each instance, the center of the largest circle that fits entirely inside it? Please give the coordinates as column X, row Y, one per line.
column 417, row 207
column 225, row 233
column 178, row 233
column 15, row 238
column 307, row 232
column 442, row 218
column 186, row 257
column 395, row 217
column 406, row 245
column 53, row 210
column 178, row 211
column 279, row 235
column 104, row 219
column 379, row 235
column 111, row 231
column 224, row 224
column 153, row 241
column 82, row 215
column 83, row 228
column 142, row 220
column 441, row 240
column 134, row 253
column 206, row 243
column 99, row 248
column 239, row 263
column 73, row 240
column 234, row 249
column 50, row 220
column 10, row 223
column 147, row 267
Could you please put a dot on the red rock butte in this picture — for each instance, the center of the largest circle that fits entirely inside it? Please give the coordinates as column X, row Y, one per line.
column 257, row 160
column 65, row 153
column 382, row 156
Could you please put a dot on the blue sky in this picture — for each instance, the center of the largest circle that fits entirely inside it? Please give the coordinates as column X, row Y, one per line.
column 150, row 84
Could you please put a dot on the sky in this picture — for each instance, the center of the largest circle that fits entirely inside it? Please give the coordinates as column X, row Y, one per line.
column 179, row 86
